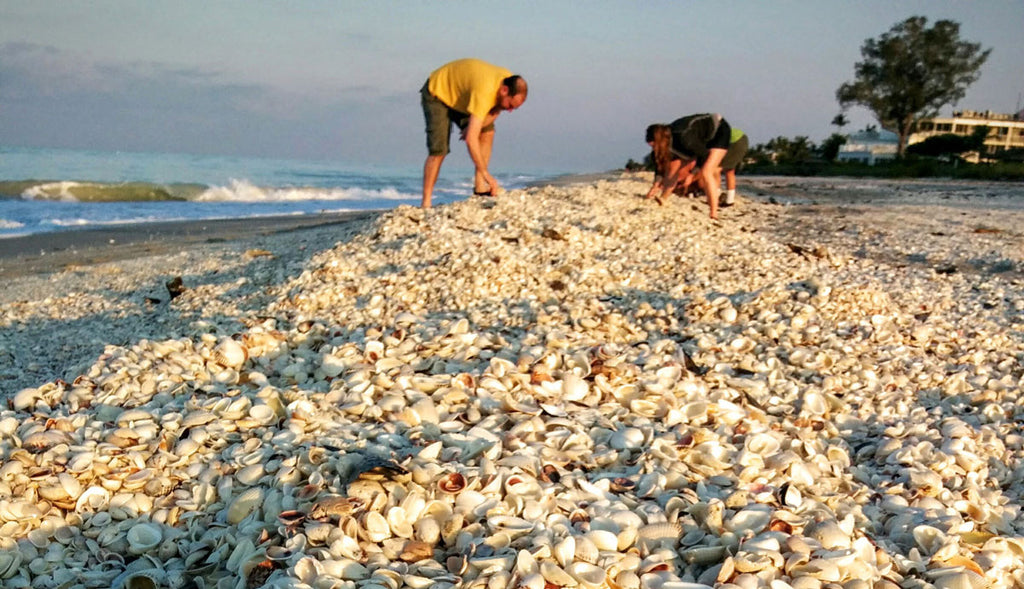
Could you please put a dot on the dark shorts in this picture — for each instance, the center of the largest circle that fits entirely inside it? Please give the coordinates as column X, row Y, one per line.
column 439, row 118
column 721, row 138
column 734, row 156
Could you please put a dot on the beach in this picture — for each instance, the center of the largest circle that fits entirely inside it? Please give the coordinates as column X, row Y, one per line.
column 568, row 385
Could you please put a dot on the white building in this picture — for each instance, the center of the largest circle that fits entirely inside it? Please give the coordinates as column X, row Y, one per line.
column 1005, row 131
column 869, row 147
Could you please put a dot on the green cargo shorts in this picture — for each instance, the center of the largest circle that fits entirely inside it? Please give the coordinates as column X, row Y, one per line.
column 734, row 156
column 439, row 118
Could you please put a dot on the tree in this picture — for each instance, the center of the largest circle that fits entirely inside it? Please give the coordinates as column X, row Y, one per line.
column 941, row 145
column 948, row 144
column 840, row 120
column 912, row 71
column 830, row 147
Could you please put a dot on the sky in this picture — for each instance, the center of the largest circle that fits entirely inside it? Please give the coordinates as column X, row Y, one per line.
column 339, row 80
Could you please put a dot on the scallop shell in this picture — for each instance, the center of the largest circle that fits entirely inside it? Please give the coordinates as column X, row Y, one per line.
column 244, row 504
column 659, row 535
column 230, row 353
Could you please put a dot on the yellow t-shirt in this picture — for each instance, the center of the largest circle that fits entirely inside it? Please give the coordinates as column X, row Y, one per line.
column 467, row 85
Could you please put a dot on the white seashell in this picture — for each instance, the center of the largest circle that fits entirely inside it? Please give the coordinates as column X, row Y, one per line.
column 376, row 527
column 565, row 551
column 307, row 569
column 629, row 438
column 93, row 499
column 660, row 535
column 960, row 580
column 588, row 575
column 244, row 504
column 929, row 539
column 399, row 522
column 749, row 520
column 250, row 475
column 143, row 537
column 230, row 353
column 762, row 444
column 604, row 540
column 556, row 575
column 574, row 388
column 814, row 403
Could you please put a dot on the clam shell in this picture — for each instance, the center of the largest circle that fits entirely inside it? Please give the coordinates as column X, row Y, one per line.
column 143, row 537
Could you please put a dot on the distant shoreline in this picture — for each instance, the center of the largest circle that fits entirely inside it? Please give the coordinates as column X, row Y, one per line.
column 39, row 253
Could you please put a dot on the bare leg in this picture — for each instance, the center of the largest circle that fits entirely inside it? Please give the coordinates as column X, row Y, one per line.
column 730, row 188
column 486, row 144
column 711, row 171
column 431, row 168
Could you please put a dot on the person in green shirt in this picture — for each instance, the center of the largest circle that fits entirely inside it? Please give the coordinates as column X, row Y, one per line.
column 471, row 94
column 677, row 146
column 738, row 146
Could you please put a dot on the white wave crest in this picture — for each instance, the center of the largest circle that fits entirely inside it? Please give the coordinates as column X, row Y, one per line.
column 244, row 191
column 52, row 191
column 5, row 224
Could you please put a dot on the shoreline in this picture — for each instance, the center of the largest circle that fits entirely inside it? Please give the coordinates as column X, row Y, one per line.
column 39, row 254
column 45, row 253
column 42, row 253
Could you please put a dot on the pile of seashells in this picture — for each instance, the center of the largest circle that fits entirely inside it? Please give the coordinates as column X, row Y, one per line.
column 563, row 387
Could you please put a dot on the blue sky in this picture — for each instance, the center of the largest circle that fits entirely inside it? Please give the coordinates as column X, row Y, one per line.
column 339, row 80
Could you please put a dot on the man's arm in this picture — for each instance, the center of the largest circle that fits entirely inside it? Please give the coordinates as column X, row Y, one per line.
column 472, row 137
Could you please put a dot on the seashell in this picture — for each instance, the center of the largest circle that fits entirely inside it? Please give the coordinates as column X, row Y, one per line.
column 588, row 574
column 451, row 482
column 307, row 569
column 376, row 527
column 660, row 535
column 230, row 353
column 929, row 539
column 26, row 399
column 565, row 551
column 244, row 504
column 143, row 537
column 750, row 520
column 556, row 575
column 629, row 438
column 960, row 580
column 250, row 475
column 603, row 540
column 762, row 444
column 399, row 522
column 415, row 551
column 829, row 534
column 141, row 580
column 92, row 499
column 814, row 403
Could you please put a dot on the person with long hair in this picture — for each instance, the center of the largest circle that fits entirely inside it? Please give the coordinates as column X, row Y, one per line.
column 738, row 146
column 678, row 146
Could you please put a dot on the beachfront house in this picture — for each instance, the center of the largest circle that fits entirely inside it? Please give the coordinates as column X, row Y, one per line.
column 869, row 146
column 1005, row 131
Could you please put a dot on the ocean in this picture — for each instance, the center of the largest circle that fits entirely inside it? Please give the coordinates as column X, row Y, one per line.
column 47, row 190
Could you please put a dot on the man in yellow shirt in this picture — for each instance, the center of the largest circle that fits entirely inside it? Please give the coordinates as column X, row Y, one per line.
column 470, row 93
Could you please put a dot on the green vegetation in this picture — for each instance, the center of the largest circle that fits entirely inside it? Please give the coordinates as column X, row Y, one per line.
column 912, row 71
column 908, row 167
column 782, row 156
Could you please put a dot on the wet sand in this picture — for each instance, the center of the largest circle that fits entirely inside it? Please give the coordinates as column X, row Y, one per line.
column 42, row 253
